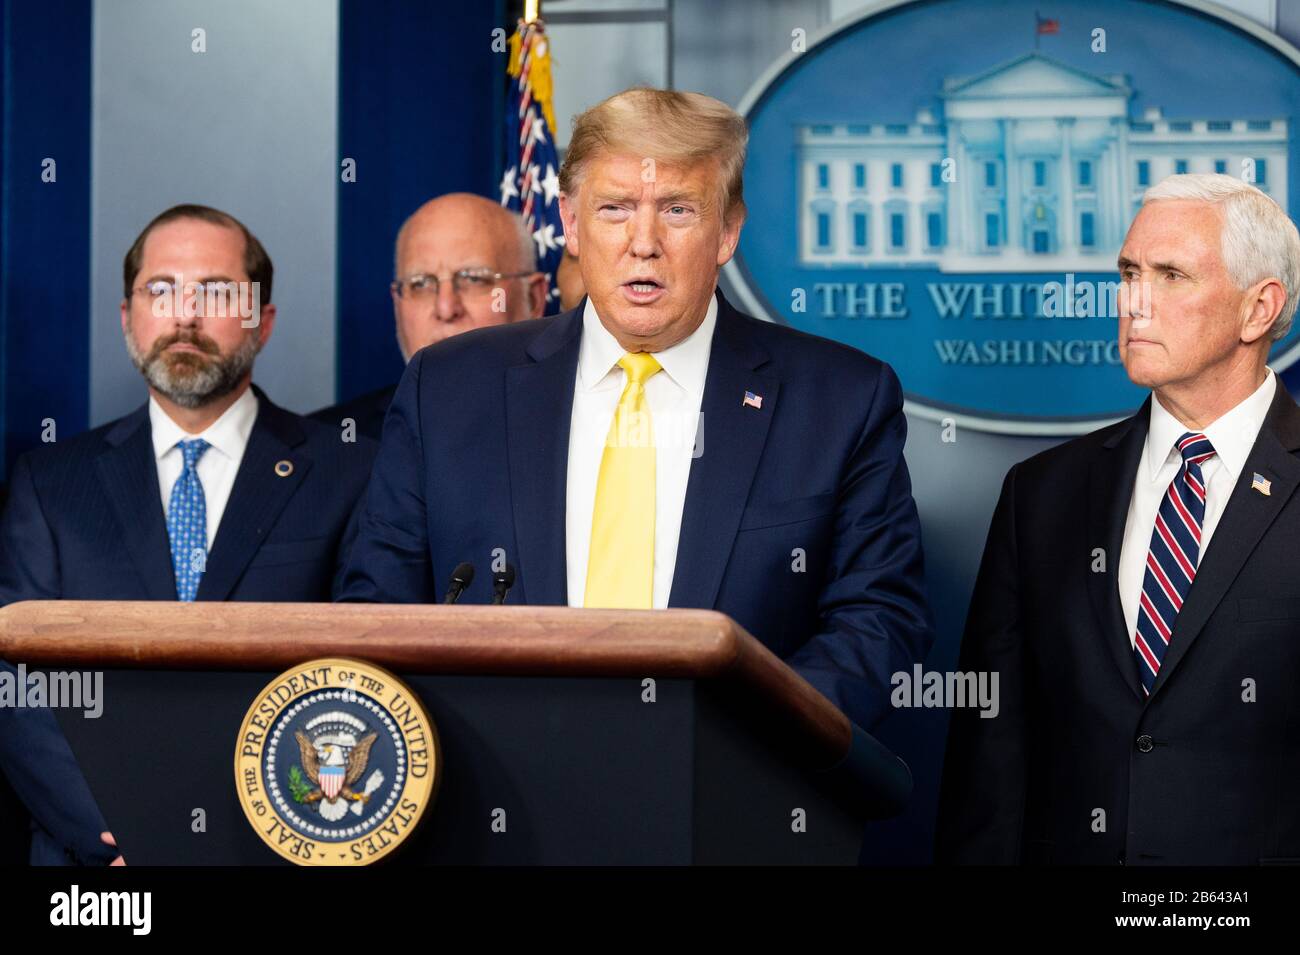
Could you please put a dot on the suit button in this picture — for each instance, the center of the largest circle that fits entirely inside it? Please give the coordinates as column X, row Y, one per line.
column 1144, row 744
column 1120, row 858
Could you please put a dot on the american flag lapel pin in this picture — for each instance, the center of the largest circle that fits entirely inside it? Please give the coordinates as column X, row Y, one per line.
column 752, row 400
column 1261, row 484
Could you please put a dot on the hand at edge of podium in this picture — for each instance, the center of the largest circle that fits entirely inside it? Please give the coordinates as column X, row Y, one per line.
column 108, row 840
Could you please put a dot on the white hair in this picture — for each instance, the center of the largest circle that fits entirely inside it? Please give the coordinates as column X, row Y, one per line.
column 1259, row 240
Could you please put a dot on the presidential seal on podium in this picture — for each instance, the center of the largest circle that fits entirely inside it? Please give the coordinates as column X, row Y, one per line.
column 336, row 763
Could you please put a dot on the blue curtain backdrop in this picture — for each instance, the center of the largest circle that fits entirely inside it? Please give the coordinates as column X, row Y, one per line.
column 44, row 226
column 420, row 98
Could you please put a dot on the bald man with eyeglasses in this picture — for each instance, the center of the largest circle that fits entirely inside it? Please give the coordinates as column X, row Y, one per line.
column 461, row 262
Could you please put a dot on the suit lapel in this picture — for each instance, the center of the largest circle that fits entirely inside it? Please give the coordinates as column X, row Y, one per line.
column 733, row 438
column 258, row 496
column 539, row 406
column 128, row 471
column 1110, row 487
column 1245, row 519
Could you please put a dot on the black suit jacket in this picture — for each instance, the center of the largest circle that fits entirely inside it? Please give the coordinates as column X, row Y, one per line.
column 84, row 521
column 1078, row 767
column 367, row 411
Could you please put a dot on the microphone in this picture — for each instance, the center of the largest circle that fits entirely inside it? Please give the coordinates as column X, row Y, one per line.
column 461, row 578
column 501, row 584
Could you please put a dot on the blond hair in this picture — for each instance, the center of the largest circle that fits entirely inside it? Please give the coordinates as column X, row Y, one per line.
column 667, row 126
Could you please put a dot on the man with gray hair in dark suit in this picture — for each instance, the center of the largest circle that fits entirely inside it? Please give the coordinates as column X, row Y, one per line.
column 1138, row 592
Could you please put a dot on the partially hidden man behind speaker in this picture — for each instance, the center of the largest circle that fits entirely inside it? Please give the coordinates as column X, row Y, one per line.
column 1138, row 593
column 461, row 262
column 654, row 447
column 207, row 491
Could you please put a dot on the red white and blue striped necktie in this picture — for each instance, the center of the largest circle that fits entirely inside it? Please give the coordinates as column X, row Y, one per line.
column 1172, row 558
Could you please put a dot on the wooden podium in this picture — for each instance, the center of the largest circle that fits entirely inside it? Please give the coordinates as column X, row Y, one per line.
column 544, row 715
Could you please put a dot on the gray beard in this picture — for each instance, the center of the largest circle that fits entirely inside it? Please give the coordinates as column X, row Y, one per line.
column 190, row 386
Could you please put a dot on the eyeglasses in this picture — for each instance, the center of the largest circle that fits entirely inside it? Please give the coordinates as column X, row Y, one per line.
column 469, row 283
column 221, row 296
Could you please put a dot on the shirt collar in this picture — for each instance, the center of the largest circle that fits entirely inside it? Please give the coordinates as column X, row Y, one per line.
column 686, row 363
column 228, row 434
column 1232, row 434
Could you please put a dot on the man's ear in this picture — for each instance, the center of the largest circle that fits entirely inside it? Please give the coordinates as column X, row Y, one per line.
column 538, row 286
column 731, row 226
column 569, row 219
column 1263, row 304
column 266, row 323
column 123, row 308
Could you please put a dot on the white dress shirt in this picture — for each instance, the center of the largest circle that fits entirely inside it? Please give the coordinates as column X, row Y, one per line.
column 228, row 436
column 1232, row 434
column 673, row 396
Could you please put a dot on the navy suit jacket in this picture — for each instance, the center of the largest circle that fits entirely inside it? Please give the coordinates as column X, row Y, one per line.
column 1201, row 772
column 367, row 411
column 84, row 521
column 475, row 457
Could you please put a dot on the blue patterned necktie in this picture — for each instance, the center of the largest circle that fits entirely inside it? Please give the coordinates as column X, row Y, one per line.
column 1172, row 558
column 187, row 523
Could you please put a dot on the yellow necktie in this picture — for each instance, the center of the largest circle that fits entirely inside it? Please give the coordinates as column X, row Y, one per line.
column 620, row 566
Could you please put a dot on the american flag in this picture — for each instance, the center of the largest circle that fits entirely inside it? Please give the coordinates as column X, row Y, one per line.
column 531, row 184
column 752, row 400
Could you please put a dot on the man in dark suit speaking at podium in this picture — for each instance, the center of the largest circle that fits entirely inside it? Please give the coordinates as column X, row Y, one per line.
column 654, row 447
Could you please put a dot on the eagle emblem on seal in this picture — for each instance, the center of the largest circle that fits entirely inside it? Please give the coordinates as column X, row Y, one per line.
column 334, row 751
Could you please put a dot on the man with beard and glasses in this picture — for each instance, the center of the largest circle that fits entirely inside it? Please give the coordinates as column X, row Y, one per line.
column 207, row 491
